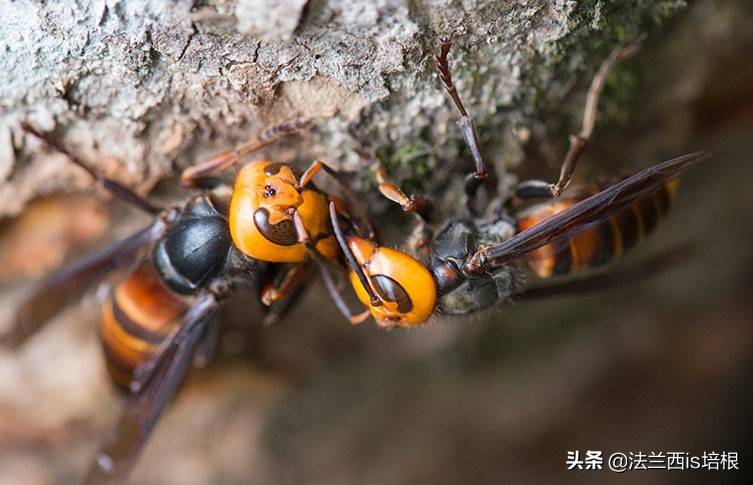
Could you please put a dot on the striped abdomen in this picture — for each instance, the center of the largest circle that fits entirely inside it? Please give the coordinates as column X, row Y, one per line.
column 138, row 315
column 601, row 243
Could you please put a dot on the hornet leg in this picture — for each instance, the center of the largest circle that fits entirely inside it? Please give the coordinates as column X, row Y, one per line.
column 197, row 175
column 475, row 179
column 116, row 189
column 538, row 189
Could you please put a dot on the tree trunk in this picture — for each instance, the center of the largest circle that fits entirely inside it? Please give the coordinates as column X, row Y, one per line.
column 141, row 88
column 658, row 365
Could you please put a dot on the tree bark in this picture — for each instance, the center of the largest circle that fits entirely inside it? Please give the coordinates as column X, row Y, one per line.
column 662, row 364
column 142, row 88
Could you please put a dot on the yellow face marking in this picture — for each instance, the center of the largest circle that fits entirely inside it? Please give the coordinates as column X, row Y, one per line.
column 260, row 216
column 407, row 289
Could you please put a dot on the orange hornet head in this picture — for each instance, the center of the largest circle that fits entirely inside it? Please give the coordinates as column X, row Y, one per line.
column 260, row 220
column 398, row 291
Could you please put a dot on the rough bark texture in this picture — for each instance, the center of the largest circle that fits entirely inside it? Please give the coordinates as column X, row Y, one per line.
column 657, row 365
column 140, row 88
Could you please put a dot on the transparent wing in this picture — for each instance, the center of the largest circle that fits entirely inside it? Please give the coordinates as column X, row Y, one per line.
column 121, row 449
column 586, row 213
column 68, row 284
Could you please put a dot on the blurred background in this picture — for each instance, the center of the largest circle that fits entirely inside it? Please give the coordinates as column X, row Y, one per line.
column 659, row 365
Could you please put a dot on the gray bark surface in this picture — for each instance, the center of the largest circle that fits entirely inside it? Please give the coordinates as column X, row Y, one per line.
column 657, row 365
column 142, row 88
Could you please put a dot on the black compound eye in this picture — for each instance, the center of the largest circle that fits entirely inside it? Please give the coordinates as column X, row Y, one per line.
column 390, row 290
column 273, row 168
column 282, row 233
